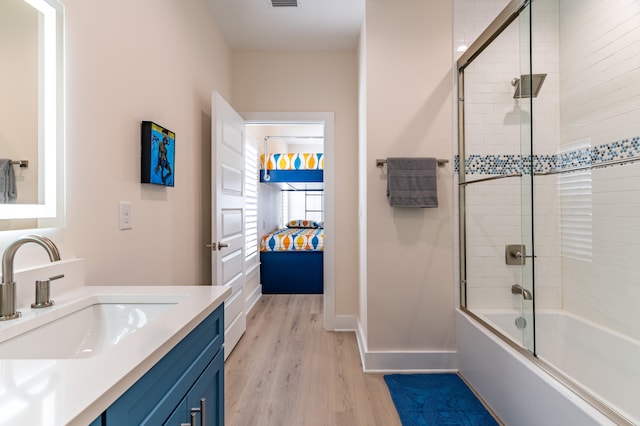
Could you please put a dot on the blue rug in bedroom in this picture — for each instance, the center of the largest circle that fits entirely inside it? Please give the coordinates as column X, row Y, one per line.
column 436, row 399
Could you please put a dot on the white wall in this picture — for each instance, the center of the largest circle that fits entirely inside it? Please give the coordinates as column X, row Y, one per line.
column 599, row 45
column 326, row 81
column 362, row 180
column 409, row 286
column 127, row 62
column 600, row 88
column 497, row 133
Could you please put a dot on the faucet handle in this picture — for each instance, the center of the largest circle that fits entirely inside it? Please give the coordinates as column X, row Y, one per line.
column 42, row 292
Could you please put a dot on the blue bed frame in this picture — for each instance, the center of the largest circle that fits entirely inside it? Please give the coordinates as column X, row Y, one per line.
column 291, row 272
column 294, row 180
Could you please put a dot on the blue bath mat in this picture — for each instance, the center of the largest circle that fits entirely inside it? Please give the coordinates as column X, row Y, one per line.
column 436, row 399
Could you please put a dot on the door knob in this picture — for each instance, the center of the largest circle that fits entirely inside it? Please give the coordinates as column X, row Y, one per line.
column 217, row 246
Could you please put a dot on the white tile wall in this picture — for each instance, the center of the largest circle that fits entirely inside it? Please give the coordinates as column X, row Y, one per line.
column 494, row 125
column 546, row 133
column 493, row 221
column 600, row 69
column 590, row 51
column 471, row 17
column 607, row 288
column 600, row 100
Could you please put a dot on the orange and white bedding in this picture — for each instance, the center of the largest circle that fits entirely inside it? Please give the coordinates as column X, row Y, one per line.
column 293, row 161
column 294, row 239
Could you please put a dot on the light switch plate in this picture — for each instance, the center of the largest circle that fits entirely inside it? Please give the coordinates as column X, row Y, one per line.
column 126, row 219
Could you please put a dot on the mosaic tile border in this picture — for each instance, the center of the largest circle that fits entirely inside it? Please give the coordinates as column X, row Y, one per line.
column 492, row 164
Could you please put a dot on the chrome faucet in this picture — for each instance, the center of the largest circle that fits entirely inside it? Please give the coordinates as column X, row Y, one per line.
column 8, row 286
column 517, row 289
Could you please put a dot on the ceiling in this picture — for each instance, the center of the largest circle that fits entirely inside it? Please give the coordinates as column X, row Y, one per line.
column 312, row 25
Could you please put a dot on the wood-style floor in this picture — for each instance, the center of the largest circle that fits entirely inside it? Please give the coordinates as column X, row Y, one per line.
column 287, row 370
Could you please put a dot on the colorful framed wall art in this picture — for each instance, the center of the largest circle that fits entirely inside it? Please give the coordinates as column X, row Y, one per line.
column 158, row 154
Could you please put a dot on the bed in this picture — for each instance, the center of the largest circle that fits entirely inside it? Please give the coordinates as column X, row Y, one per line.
column 293, row 171
column 291, row 259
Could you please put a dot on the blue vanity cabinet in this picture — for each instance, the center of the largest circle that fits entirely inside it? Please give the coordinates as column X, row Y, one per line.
column 203, row 397
column 192, row 370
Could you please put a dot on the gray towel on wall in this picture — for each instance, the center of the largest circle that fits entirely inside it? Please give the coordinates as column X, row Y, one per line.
column 8, row 192
column 412, row 182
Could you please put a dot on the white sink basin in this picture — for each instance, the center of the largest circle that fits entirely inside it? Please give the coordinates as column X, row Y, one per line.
column 83, row 329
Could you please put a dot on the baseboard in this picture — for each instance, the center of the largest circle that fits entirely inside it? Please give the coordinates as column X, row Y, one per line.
column 405, row 361
column 252, row 299
column 233, row 333
column 344, row 323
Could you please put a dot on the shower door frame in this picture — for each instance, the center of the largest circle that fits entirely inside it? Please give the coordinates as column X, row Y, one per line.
column 508, row 15
column 499, row 24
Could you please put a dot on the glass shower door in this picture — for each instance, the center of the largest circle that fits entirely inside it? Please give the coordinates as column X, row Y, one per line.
column 524, row 95
column 496, row 184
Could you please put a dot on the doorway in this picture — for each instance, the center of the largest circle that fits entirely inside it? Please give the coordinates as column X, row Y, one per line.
column 305, row 123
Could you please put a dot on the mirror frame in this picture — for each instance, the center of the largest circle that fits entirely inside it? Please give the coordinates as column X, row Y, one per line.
column 51, row 129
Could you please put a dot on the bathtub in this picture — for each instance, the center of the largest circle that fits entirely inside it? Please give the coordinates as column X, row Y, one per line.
column 520, row 391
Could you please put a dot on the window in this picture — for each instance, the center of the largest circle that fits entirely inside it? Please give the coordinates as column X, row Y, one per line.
column 251, row 200
column 314, row 206
column 285, row 207
column 576, row 203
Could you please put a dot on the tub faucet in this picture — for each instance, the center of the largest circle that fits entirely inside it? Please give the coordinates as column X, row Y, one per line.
column 8, row 286
column 517, row 289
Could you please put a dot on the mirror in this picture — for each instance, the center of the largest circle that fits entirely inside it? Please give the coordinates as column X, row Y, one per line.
column 32, row 111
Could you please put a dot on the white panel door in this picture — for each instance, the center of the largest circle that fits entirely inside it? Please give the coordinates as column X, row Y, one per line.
column 227, row 214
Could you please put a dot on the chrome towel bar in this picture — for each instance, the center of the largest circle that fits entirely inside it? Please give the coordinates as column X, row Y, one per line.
column 440, row 161
column 21, row 163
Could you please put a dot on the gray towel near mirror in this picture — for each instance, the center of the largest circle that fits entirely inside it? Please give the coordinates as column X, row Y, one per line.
column 412, row 182
column 8, row 192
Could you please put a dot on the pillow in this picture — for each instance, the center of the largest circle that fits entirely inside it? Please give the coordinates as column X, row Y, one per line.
column 300, row 223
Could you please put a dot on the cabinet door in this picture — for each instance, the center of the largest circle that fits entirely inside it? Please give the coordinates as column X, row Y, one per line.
column 206, row 398
column 179, row 416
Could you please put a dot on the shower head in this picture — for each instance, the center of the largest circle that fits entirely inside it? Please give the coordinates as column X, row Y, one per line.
column 528, row 85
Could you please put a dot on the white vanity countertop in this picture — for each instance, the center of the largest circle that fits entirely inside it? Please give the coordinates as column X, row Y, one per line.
column 77, row 391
